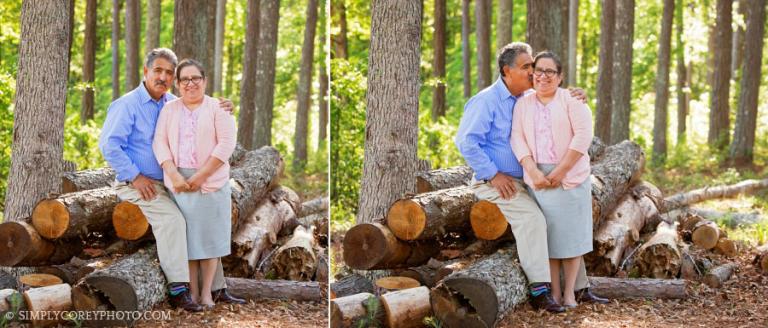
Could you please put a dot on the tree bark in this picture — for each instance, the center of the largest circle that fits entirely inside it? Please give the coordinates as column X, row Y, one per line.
column 296, row 260
column 246, row 120
column 347, row 310
column 218, row 52
column 741, row 151
column 719, row 117
column 699, row 195
column 392, row 112
column 720, row 274
column 620, row 288
column 438, row 63
column 322, row 95
column 256, row 174
column 573, row 25
column 492, row 286
column 504, row 20
column 483, row 30
column 431, row 215
column 269, row 11
column 116, row 4
column 662, row 84
column 317, row 205
column 622, row 67
column 370, row 246
column 340, row 40
column 621, row 165
column 548, row 28
column 304, row 92
column 89, row 55
column 604, row 99
column 86, row 180
column 38, row 125
column 737, row 49
column 132, row 31
column 659, row 257
column 682, row 74
column 152, row 40
column 406, row 308
column 75, row 214
column 350, row 285
column 277, row 289
column 193, row 34
column 466, row 50
column 50, row 298
column 443, row 178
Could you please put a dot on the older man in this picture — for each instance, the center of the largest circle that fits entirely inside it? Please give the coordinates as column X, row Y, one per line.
column 126, row 143
column 483, row 140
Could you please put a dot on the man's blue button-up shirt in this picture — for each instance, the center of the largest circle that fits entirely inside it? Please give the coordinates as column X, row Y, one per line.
column 126, row 138
column 484, row 131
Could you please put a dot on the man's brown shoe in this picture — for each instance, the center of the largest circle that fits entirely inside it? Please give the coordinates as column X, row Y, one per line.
column 185, row 302
column 584, row 295
column 546, row 302
column 222, row 295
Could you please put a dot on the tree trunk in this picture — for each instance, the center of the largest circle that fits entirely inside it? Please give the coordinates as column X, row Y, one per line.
column 682, row 73
column 659, row 257
column 304, row 92
column 548, row 28
column 277, row 289
column 392, row 113
column 573, row 25
column 662, row 84
column 132, row 47
column 741, row 151
column 407, row 308
column 466, row 50
column 340, row 40
column 443, row 178
column 75, row 214
column 622, row 68
column 483, row 30
column 634, row 288
column 192, row 34
column 269, row 12
column 116, row 4
column 737, row 50
column 246, row 120
column 492, row 286
column 218, row 52
column 348, row 310
column 719, row 117
column 438, row 63
column 89, row 55
column 370, row 246
column 604, row 99
column 152, row 40
column 52, row 298
column 720, row 274
column 431, row 215
column 296, row 260
column 706, row 193
column 38, row 124
column 504, row 20
column 322, row 95
column 87, row 179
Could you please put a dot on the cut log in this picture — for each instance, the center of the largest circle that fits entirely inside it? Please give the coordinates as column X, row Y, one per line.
column 256, row 235
column 129, row 222
column 451, row 177
column 321, row 273
column 283, row 193
column 21, row 245
column 87, row 179
column 761, row 259
column 319, row 204
column 660, row 257
column 705, row 234
column 392, row 283
column 296, row 259
column 4, row 304
column 488, row 223
column 482, row 293
column 49, row 298
column 256, row 174
column 251, row 289
column 75, row 269
column 726, row 247
column 35, row 280
column 423, row 274
column 348, row 310
column 621, row 166
column 706, row 193
column 719, row 274
column 370, row 246
column 596, row 149
column 620, row 288
column 75, row 214
column 350, row 285
column 237, row 155
column 730, row 219
column 431, row 215
column 407, row 308
column 8, row 281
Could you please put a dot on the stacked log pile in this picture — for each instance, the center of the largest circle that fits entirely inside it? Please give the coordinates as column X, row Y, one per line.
column 462, row 249
column 101, row 251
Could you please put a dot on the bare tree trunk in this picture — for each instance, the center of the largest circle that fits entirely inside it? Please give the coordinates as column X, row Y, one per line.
column 438, row 97
column 322, row 126
column 719, row 118
column 622, row 69
column 548, row 27
column 152, row 40
column 466, row 52
column 304, row 93
column 132, row 30
column 682, row 73
column 737, row 49
column 269, row 11
column 483, row 30
column 89, row 60
column 115, row 49
column 340, row 40
column 573, row 25
column 605, row 72
column 218, row 52
column 246, row 120
column 662, row 84
column 504, row 20
column 193, row 34
column 741, row 151
column 38, row 124
column 392, row 113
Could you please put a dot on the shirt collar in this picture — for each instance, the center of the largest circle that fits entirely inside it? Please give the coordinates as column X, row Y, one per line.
column 145, row 97
column 501, row 90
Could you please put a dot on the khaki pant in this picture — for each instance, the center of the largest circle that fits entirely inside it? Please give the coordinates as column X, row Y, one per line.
column 530, row 230
column 170, row 230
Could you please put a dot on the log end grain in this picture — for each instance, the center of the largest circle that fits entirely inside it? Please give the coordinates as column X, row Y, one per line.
column 366, row 245
column 481, row 296
column 397, row 283
column 406, row 219
column 487, row 221
column 451, row 312
column 345, row 311
column 119, row 292
column 15, row 243
column 726, row 247
column 40, row 280
column 129, row 222
column 50, row 218
column 705, row 235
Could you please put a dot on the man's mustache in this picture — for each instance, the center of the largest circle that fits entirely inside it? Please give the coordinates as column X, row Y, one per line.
column 160, row 82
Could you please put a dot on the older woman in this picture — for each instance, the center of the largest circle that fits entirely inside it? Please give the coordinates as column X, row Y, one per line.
column 193, row 142
column 551, row 133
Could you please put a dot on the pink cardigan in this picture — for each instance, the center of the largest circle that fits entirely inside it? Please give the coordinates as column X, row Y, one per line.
column 571, row 129
column 215, row 137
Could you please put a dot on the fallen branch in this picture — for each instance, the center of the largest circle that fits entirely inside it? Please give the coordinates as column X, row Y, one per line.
column 620, row 288
column 707, row 193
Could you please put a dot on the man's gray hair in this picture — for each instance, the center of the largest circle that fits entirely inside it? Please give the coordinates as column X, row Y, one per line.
column 165, row 53
column 508, row 54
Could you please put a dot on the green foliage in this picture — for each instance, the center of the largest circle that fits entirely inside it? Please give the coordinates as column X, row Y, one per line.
column 433, row 322
column 372, row 308
column 7, row 85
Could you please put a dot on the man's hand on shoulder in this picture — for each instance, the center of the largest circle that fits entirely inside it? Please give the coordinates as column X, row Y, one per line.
column 227, row 105
column 145, row 187
column 504, row 184
column 578, row 93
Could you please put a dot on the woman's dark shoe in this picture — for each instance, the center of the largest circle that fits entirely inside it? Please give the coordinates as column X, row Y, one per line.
column 185, row 302
column 546, row 302
column 222, row 295
column 584, row 295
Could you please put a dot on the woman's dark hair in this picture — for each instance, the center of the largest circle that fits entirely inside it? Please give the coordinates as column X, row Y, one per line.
column 189, row 62
column 555, row 58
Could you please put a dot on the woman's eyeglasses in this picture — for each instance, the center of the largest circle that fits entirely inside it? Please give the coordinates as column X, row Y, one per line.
column 195, row 80
column 547, row 72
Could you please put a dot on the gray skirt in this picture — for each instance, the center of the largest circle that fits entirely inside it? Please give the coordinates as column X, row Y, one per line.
column 209, row 220
column 569, row 217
